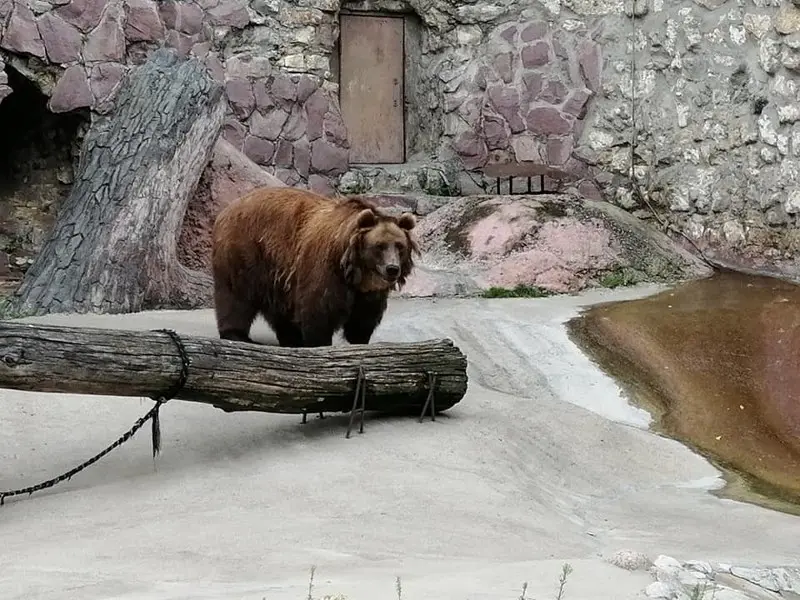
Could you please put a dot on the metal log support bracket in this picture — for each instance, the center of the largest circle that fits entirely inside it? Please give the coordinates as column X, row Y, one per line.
column 152, row 414
column 361, row 394
column 430, row 399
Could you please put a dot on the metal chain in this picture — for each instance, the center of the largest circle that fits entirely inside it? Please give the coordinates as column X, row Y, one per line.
column 151, row 414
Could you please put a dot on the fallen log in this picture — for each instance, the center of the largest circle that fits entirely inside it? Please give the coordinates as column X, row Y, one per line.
column 232, row 376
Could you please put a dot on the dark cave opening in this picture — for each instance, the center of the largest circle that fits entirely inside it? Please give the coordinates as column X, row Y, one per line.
column 38, row 151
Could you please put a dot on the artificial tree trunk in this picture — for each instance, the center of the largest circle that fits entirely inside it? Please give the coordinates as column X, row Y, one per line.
column 113, row 248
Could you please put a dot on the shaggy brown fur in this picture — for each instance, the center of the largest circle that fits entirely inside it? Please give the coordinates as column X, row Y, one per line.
column 310, row 265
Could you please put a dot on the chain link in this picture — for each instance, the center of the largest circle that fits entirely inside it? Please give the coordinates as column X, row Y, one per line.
column 151, row 414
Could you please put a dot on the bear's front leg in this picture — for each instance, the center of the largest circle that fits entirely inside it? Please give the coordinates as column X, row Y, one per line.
column 317, row 335
column 365, row 317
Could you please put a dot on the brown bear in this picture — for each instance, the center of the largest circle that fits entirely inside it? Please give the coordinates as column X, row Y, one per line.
column 310, row 265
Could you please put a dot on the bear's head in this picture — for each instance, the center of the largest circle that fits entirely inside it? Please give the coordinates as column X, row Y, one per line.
column 380, row 252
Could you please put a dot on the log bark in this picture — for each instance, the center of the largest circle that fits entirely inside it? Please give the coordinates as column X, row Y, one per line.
column 113, row 247
column 233, row 376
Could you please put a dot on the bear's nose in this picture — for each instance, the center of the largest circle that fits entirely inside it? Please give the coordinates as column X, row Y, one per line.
column 392, row 271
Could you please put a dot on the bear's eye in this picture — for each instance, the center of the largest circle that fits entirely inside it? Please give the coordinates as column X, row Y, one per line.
column 399, row 246
column 382, row 246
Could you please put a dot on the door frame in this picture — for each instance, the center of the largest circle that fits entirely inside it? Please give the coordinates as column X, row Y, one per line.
column 338, row 52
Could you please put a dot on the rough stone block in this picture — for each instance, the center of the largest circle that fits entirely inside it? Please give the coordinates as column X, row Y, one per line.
column 790, row 59
column 21, row 33
column 72, row 91
column 534, row 31
column 284, row 88
column 792, row 204
column 283, row 154
column 215, row 67
column 104, row 81
column 184, row 17
column 553, row 92
column 558, row 150
column 480, row 80
column 756, row 24
column 143, row 22
column 296, row 125
column 535, row 55
column 240, row 97
column 306, row 86
column 453, row 101
column 327, row 158
column 468, row 35
column 589, row 190
column 496, row 132
column 321, row 185
column 334, row 129
column 179, row 41
column 471, row 148
column 246, row 65
column 231, row 13
column 268, row 126
column 527, row 148
column 787, row 21
column 509, row 34
column 258, row 150
column 264, row 100
column 107, row 41
column 83, row 14
column 503, row 64
column 288, row 176
column 302, row 157
column 769, row 54
column 6, row 6
column 234, row 132
column 62, row 41
column 547, row 120
column 316, row 107
column 470, row 110
column 532, row 83
column 577, row 102
column 590, row 59
column 201, row 50
column 506, row 101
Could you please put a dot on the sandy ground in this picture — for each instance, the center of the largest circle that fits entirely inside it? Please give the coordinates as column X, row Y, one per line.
column 543, row 462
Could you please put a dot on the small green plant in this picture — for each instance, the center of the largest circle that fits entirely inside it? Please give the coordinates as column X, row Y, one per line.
column 311, row 583
column 521, row 290
column 618, row 278
column 698, row 591
column 9, row 311
column 524, row 589
column 562, row 580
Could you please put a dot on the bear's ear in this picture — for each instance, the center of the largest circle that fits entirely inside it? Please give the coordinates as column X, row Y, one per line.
column 352, row 274
column 366, row 219
column 407, row 221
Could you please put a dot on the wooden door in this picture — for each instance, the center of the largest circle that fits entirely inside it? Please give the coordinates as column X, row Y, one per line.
column 371, row 87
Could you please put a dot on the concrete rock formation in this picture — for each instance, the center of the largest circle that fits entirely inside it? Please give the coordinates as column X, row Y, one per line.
column 557, row 243
column 229, row 175
column 676, row 580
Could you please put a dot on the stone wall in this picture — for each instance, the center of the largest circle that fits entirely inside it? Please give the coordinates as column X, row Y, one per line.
column 714, row 86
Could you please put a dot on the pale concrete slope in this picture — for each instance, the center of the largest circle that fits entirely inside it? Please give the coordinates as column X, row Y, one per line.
column 542, row 462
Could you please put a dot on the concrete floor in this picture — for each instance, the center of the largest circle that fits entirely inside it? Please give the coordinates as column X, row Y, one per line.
column 542, row 462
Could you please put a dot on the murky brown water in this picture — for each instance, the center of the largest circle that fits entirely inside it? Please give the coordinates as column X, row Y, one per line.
column 717, row 362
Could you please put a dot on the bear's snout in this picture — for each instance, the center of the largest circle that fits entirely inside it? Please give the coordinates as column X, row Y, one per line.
column 392, row 271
